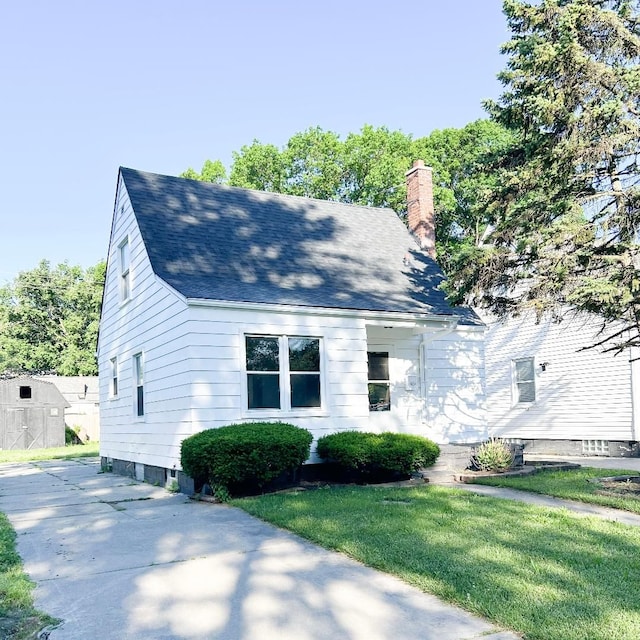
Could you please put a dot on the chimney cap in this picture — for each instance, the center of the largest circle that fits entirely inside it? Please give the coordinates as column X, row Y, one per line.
column 418, row 165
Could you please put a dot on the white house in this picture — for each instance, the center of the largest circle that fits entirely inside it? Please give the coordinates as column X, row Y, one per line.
column 550, row 393
column 225, row 305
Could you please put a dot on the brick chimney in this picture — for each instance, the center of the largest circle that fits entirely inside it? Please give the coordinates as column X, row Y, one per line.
column 420, row 214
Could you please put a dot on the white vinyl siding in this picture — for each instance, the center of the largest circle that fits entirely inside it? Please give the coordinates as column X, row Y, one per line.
column 581, row 394
column 153, row 322
column 455, row 386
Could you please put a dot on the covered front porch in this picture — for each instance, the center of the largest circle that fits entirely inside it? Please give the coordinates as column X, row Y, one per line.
column 426, row 377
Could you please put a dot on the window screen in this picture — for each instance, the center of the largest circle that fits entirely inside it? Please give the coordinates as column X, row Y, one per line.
column 525, row 382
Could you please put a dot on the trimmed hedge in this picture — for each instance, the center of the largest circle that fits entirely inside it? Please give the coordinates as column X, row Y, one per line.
column 239, row 458
column 377, row 455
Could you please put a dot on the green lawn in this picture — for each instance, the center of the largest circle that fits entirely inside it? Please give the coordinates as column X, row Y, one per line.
column 18, row 619
column 72, row 451
column 545, row 573
column 571, row 485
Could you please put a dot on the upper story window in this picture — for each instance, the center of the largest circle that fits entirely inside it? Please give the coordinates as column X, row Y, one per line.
column 379, row 385
column 524, row 380
column 125, row 273
column 138, row 378
column 283, row 372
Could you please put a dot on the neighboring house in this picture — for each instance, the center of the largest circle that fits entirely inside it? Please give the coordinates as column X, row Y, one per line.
column 225, row 305
column 82, row 395
column 31, row 414
column 546, row 391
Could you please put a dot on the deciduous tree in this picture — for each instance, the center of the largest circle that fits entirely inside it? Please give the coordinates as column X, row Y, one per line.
column 49, row 320
column 369, row 167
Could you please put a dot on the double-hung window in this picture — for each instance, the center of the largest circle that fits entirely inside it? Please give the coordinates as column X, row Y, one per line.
column 138, row 377
column 114, row 377
column 125, row 272
column 524, row 380
column 379, row 384
column 283, row 372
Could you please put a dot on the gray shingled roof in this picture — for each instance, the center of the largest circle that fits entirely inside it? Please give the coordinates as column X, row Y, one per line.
column 224, row 243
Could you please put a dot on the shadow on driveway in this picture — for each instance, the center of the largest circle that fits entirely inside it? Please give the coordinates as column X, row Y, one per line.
column 116, row 558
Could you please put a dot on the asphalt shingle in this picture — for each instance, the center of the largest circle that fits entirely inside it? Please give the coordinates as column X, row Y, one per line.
column 224, row 243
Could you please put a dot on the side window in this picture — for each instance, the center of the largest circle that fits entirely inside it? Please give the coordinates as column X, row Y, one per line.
column 114, row 377
column 125, row 274
column 138, row 377
column 379, row 385
column 524, row 380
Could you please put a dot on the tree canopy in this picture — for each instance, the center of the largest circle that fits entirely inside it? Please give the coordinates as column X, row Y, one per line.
column 49, row 320
column 369, row 168
column 564, row 213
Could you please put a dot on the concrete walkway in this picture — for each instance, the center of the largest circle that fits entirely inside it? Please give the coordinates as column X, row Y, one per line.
column 580, row 508
column 118, row 559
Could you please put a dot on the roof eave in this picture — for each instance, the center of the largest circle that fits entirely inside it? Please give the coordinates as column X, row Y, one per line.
column 371, row 316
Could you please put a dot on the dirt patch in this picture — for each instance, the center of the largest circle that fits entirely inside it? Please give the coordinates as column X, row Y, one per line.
column 618, row 486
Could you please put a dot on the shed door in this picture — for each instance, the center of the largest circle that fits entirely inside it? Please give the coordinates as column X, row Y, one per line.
column 25, row 428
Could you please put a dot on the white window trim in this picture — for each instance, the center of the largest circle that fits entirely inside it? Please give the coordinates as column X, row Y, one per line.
column 515, row 401
column 124, row 274
column 138, row 356
column 285, row 410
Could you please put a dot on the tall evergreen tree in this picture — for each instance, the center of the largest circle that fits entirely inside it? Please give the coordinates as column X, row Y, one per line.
column 566, row 209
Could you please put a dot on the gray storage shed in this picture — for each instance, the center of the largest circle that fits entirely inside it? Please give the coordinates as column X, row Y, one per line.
column 31, row 414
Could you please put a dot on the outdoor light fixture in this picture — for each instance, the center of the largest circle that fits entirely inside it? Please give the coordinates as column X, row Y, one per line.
column 544, row 365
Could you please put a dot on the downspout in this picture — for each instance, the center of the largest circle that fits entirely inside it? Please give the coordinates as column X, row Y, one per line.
column 634, row 370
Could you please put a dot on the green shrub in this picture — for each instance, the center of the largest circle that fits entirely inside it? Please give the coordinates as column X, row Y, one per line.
column 493, row 455
column 71, row 435
column 377, row 455
column 241, row 458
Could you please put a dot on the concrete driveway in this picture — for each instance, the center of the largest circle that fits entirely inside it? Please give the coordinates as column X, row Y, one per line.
column 118, row 559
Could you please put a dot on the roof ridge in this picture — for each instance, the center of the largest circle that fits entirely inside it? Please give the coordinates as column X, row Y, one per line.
column 263, row 192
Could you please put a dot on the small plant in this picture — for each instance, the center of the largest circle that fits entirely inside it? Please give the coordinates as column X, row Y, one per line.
column 494, row 455
column 377, row 455
column 173, row 486
column 221, row 493
column 241, row 458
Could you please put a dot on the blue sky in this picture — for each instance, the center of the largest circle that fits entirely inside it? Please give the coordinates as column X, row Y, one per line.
column 161, row 85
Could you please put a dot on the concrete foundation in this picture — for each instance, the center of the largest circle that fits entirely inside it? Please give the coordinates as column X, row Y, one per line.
column 606, row 448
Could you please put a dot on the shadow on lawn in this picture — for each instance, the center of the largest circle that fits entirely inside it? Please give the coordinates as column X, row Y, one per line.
column 544, row 572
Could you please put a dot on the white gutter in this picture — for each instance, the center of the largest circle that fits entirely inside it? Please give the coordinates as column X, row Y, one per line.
column 374, row 317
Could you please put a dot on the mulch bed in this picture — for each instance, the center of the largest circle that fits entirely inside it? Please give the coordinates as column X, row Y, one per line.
column 618, row 486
